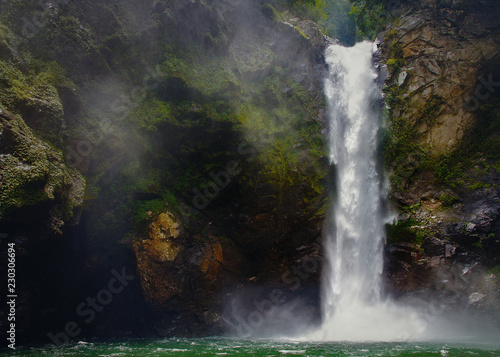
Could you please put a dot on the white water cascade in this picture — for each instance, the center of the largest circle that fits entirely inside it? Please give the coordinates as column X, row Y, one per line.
column 353, row 308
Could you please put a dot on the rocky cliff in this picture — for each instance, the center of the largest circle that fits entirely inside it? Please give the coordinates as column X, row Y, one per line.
column 442, row 152
column 180, row 142
column 241, row 230
column 179, row 146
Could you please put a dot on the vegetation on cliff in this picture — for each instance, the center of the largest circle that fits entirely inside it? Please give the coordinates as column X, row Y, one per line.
column 211, row 112
column 191, row 133
column 441, row 148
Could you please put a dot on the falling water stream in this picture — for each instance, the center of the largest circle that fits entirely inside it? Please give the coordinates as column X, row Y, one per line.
column 353, row 308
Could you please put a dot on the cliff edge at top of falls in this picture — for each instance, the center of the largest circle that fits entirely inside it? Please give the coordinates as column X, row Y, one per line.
column 442, row 151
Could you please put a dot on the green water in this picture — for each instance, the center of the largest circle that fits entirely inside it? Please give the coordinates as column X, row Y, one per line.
column 233, row 347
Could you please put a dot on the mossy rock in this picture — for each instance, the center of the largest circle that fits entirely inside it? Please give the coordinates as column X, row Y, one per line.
column 33, row 172
column 35, row 96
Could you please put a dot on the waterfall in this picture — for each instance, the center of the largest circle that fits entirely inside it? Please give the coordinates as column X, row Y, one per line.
column 355, row 244
column 353, row 308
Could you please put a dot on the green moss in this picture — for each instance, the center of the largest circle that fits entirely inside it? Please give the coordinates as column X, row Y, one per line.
column 495, row 270
column 399, row 144
column 270, row 12
column 153, row 112
column 208, row 102
column 394, row 52
column 430, row 111
column 405, row 231
column 448, row 171
column 477, row 185
column 144, row 210
column 448, row 199
column 203, row 71
column 370, row 17
column 394, row 64
column 480, row 147
column 35, row 95
column 34, row 172
column 252, row 56
column 308, row 9
column 300, row 31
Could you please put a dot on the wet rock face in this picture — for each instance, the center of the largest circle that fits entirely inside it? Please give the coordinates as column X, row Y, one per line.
column 250, row 232
column 446, row 243
column 155, row 255
column 249, row 235
column 442, row 46
column 40, row 197
column 457, row 251
column 181, row 275
column 454, row 280
column 35, row 174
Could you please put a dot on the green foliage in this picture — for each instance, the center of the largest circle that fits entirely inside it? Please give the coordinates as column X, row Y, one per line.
column 448, row 199
column 144, row 210
column 399, row 139
column 394, row 64
column 394, row 53
column 153, row 112
column 495, row 270
column 310, row 9
column 478, row 244
column 211, row 75
column 448, row 171
column 477, row 185
column 370, row 16
column 332, row 15
column 338, row 23
column 480, row 146
column 347, row 20
column 406, row 231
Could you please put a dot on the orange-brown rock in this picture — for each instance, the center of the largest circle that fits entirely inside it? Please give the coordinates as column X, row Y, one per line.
column 156, row 253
